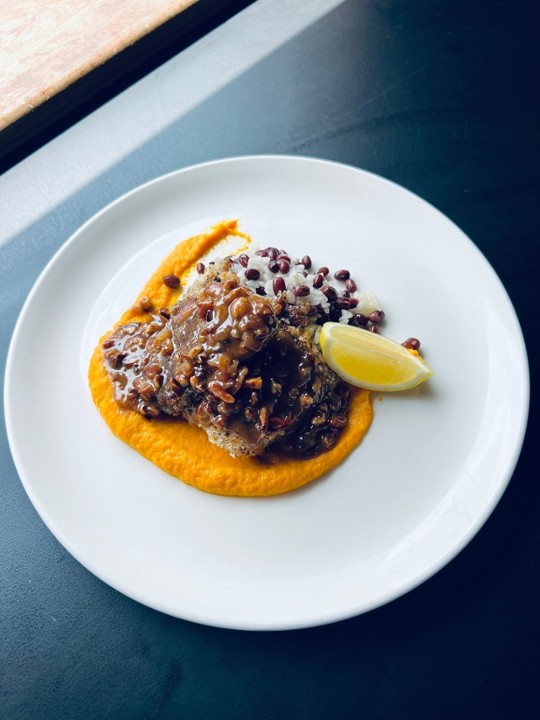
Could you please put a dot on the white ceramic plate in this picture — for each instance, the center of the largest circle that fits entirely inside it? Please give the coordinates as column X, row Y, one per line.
column 424, row 480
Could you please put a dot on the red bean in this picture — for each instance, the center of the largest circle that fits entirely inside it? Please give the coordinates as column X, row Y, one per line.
column 412, row 344
column 376, row 316
column 243, row 260
column 318, row 280
column 279, row 285
column 272, row 252
column 358, row 320
column 252, row 274
column 200, row 268
column 284, row 266
column 374, row 328
column 171, row 281
column 324, row 271
column 329, row 292
column 350, row 285
column 306, row 262
column 342, row 275
column 273, row 266
column 301, row 290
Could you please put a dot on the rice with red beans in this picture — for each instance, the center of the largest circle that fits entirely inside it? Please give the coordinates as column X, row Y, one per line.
column 326, row 294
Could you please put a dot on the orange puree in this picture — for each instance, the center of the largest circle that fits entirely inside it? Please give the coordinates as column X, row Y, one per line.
column 183, row 450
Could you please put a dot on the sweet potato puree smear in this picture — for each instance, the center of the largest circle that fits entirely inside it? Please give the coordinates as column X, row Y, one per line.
column 183, row 450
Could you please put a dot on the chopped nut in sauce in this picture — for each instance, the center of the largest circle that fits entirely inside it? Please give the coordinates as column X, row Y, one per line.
column 224, row 359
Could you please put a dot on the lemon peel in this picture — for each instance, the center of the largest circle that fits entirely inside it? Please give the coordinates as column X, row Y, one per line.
column 371, row 361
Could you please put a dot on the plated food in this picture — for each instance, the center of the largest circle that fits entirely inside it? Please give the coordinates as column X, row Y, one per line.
column 221, row 380
column 399, row 507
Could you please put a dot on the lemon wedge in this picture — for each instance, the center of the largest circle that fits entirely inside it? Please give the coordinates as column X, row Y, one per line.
column 371, row 361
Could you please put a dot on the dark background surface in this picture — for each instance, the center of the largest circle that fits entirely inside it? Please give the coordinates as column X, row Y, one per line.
column 441, row 97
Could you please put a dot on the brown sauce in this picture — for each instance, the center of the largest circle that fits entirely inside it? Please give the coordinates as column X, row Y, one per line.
column 180, row 448
column 223, row 361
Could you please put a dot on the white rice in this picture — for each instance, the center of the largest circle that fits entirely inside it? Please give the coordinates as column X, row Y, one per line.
column 298, row 275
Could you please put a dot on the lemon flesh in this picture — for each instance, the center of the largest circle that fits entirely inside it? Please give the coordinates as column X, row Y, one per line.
column 371, row 361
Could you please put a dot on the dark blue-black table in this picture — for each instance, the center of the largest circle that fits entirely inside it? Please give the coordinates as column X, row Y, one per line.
column 439, row 96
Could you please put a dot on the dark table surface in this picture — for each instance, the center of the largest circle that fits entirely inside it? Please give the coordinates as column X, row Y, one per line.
column 441, row 97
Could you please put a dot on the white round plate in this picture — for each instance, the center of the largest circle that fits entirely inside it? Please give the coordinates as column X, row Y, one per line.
column 430, row 471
